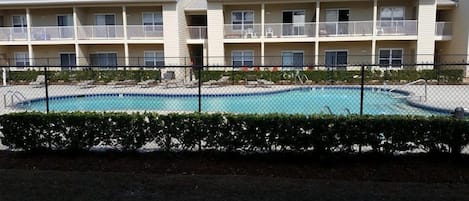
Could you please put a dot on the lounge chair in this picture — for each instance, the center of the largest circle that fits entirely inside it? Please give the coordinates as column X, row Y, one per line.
column 120, row 84
column 172, row 83
column 86, row 84
column 192, row 84
column 40, row 81
column 251, row 81
column 220, row 82
column 146, row 83
column 264, row 83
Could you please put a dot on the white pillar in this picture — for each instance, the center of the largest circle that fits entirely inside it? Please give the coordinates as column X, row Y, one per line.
column 373, row 40
column 215, row 31
column 316, row 44
column 426, row 32
column 75, row 30
column 4, row 76
column 126, row 44
column 262, row 34
column 28, row 29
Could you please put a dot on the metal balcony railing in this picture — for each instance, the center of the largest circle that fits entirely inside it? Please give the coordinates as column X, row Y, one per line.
column 350, row 28
column 238, row 31
column 143, row 32
column 197, row 32
column 397, row 27
column 104, row 32
column 13, row 33
column 444, row 28
column 290, row 30
column 52, row 33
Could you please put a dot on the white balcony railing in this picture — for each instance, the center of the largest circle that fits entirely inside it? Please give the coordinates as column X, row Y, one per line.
column 197, row 32
column 237, row 31
column 13, row 33
column 290, row 30
column 52, row 33
column 142, row 32
column 104, row 32
column 350, row 28
column 400, row 27
column 444, row 28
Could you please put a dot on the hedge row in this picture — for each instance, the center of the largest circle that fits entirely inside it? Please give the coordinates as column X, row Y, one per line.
column 351, row 77
column 68, row 76
column 228, row 132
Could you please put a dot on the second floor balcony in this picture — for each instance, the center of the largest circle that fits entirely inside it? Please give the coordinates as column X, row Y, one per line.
column 197, row 32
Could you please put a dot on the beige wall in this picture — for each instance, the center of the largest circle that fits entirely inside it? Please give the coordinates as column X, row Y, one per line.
column 48, row 17
column 91, row 49
column 359, row 11
column 89, row 14
column 49, row 55
column 227, row 9
column 359, row 52
column 254, row 47
column 7, row 19
column 135, row 14
column 459, row 45
column 273, row 52
column 136, row 52
column 274, row 12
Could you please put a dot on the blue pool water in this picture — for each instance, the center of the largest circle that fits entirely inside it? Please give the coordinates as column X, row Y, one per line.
column 298, row 101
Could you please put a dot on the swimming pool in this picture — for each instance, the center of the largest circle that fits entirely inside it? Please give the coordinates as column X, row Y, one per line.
column 308, row 100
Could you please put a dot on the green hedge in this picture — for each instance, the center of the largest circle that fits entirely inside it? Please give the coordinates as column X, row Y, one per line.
column 228, row 132
column 103, row 75
column 350, row 77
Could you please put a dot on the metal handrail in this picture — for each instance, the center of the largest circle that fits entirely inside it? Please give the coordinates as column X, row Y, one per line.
column 413, row 83
column 328, row 109
column 13, row 94
column 347, row 111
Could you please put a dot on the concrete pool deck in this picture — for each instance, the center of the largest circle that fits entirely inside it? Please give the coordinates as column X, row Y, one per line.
column 446, row 97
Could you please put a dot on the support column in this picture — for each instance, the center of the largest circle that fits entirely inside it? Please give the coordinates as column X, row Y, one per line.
column 426, row 33
column 215, row 31
column 262, row 34
column 126, row 44
column 28, row 29
column 316, row 44
column 373, row 40
column 75, row 30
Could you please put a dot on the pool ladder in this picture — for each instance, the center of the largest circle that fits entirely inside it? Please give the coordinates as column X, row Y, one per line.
column 12, row 96
column 413, row 94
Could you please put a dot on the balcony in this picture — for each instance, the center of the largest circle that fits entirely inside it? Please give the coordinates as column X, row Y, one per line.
column 13, row 34
column 144, row 32
column 105, row 32
column 246, row 31
column 444, row 28
column 392, row 28
column 351, row 28
column 197, row 32
column 288, row 30
column 52, row 33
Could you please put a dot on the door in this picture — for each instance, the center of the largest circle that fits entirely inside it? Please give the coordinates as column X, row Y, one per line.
column 65, row 24
column 293, row 23
column 292, row 59
column 104, row 60
column 337, row 21
column 336, row 59
column 105, row 26
column 67, row 61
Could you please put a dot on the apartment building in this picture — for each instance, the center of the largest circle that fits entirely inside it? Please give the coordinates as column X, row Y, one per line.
column 109, row 33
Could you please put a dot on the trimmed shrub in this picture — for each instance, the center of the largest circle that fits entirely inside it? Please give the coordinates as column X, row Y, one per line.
column 233, row 133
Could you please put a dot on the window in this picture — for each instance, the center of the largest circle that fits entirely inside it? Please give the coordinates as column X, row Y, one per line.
column 21, row 59
column 65, row 23
column 152, row 21
column 391, row 57
column 104, row 26
column 292, row 58
column 154, row 58
column 242, row 58
column 104, row 60
column 68, row 61
column 336, row 58
column 392, row 16
column 19, row 23
column 242, row 20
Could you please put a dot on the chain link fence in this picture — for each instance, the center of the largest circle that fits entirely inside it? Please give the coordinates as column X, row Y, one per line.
column 404, row 89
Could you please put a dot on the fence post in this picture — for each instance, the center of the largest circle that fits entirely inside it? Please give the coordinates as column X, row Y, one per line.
column 46, row 83
column 362, row 90
column 199, row 68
